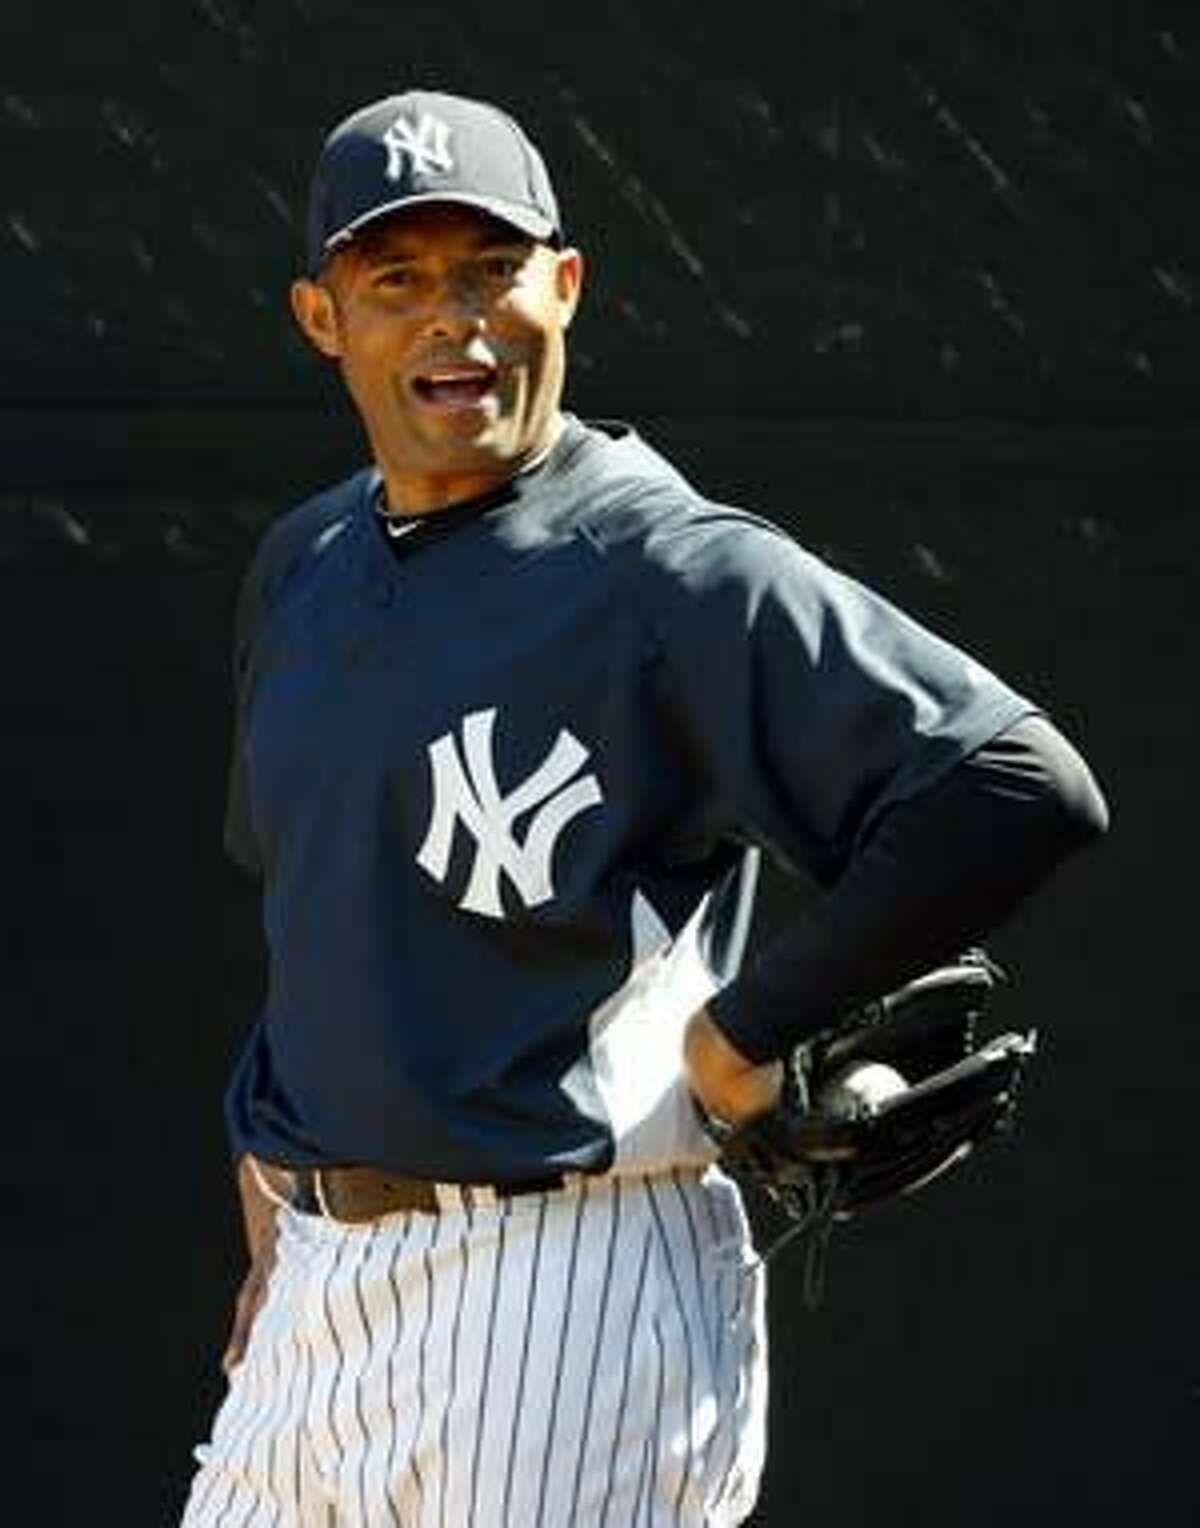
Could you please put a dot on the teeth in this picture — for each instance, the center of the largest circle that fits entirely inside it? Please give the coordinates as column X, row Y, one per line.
column 459, row 376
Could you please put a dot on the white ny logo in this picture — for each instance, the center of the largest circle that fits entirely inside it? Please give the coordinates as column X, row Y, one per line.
column 472, row 797
column 426, row 141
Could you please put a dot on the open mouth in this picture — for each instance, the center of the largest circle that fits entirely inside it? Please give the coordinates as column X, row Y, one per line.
column 463, row 386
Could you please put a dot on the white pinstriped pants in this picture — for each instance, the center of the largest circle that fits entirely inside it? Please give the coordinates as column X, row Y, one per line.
column 593, row 1356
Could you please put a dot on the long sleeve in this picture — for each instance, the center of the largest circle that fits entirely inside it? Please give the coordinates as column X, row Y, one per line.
column 939, row 871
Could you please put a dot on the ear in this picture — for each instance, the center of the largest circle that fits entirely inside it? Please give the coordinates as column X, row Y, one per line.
column 568, row 280
column 315, row 310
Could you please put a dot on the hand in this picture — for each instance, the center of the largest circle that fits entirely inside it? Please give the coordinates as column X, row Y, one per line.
column 258, row 1218
column 249, row 1301
column 725, row 1082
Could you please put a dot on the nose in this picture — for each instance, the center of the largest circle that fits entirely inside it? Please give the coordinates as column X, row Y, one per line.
column 456, row 306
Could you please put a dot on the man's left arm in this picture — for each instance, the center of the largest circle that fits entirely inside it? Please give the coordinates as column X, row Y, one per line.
column 938, row 872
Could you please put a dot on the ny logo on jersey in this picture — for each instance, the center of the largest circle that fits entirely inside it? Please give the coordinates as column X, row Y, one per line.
column 426, row 141
column 465, row 791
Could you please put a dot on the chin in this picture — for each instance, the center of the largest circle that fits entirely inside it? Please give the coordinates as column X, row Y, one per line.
column 473, row 444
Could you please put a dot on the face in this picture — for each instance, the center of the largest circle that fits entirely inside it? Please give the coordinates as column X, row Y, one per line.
column 449, row 327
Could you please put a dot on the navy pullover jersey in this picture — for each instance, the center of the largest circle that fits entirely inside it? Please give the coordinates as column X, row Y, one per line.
column 505, row 792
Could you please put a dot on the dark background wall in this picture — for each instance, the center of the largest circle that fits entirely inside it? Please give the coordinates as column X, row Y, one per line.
column 917, row 280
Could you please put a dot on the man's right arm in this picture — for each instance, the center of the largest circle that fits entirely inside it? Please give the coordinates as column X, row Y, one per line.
column 938, row 874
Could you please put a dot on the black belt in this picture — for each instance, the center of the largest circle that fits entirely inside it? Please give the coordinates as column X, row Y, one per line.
column 358, row 1194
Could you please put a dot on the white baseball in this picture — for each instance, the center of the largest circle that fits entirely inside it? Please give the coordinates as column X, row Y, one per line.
column 862, row 1087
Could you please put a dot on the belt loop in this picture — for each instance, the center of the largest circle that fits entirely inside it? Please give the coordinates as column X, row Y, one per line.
column 319, row 1193
column 266, row 1189
column 304, row 1197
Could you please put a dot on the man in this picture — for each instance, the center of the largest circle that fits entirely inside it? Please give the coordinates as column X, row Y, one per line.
column 517, row 708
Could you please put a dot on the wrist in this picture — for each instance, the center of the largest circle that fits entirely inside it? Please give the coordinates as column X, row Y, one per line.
column 729, row 1087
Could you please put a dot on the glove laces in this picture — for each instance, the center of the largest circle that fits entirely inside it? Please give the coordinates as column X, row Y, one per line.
column 810, row 1205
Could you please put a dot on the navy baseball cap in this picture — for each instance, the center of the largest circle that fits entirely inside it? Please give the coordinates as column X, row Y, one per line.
column 424, row 146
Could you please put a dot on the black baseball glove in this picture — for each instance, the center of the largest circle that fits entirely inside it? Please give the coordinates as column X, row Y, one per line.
column 880, row 1104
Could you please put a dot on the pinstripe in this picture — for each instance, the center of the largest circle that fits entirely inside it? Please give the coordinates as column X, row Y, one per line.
column 681, row 1195
column 564, row 1326
column 229, row 1419
column 305, row 1411
column 738, row 1379
column 364, row 1367
column 260, row 1418
column 710, row 1209
column 727, row 1401
column 254, row 1504
column 722, row 1279
column 708, row 1199
column 252, row 1511
column 331, row 1406
column 709, row 1304
column 689, row 1398
column 464, row 1265
column 289, row 1358
column 250, row 1421
column 199, row 1492
column 427, row 1266
column 721, row 1213
column 237, row 1419
column 393, row 1356
column 273, row 1436
column 202, row 1494
column 524, row 1363
column 540, row 1331
column 292, row 1413
column 727, row 1395
column 228, row 1502
column 735, row 1224
column 643, row 1477
column 716, row 1324
column 485, row 1378
column 729, row 1372
column 597, row 1341
column 266, row 1429
column 656, row 1454
column 634, row 1317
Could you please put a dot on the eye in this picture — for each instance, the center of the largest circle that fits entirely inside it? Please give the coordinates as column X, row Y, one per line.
column 501, row 266
column 395, row 277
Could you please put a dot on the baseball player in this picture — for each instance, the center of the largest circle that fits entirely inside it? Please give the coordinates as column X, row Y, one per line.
column 517, row 710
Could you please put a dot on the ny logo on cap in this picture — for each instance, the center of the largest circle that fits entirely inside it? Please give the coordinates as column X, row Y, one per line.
column 426, row 141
